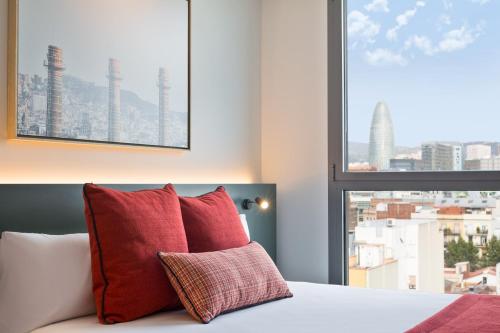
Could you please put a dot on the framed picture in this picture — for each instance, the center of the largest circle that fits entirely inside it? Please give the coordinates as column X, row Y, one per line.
column 100, row 71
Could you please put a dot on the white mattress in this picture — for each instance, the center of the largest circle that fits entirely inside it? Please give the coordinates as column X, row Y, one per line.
column 314, row 308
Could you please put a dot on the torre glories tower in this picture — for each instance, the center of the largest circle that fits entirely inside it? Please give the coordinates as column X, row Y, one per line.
column 381, row 138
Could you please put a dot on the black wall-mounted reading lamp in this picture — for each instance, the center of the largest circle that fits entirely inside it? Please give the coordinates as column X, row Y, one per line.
column 261, row 203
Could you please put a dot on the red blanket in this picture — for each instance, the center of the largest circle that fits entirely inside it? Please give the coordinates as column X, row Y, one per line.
column 470, row 313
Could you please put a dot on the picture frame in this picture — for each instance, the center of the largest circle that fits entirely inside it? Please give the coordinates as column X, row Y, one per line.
column 151, row 108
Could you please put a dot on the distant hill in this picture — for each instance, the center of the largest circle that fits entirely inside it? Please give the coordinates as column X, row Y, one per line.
column 358, row 151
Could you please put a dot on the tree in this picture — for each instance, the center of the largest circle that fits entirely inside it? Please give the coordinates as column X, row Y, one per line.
column 461, row 251
column 491, row 255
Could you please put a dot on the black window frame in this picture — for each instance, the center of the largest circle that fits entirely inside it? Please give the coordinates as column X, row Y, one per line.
column 341, row 181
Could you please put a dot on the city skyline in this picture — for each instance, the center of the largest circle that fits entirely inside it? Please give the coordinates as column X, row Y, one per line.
column 60, row 106
column 433, row 62
column 383, row 155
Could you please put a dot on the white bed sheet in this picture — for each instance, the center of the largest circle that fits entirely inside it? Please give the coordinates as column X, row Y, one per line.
column 314, row 308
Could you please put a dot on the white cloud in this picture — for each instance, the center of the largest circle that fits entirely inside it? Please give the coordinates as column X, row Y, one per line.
column 459, row 39
column 422, row 43
column 384, row 57
column 378, row 6
column 453, row 40
column 403, row 20
column 361, row 27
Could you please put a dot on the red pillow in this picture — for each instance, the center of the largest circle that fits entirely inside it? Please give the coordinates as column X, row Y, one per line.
column 213, row 283
column 212, row 222
column 126, row 230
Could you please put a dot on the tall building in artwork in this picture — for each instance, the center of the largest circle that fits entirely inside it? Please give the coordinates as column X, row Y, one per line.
column 55, row 68
column 381, row 148
column 114, row 118
column 164, row 106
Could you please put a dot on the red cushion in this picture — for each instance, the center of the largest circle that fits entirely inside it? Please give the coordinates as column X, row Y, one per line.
column 212, row 222
column 126, row 231
column 213, row 283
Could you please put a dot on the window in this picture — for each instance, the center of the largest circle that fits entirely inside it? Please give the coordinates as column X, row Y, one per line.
column 419, row 241
column 422, row 85
column 413, row 144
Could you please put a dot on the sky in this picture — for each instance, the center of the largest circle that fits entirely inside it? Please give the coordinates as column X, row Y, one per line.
column 436, row 63
column 142, row 34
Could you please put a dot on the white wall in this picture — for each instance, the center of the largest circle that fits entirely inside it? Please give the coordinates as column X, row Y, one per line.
column 294, row 131
column 383, row 277
column 225, row 115
column 430, row 277
column 227, row 131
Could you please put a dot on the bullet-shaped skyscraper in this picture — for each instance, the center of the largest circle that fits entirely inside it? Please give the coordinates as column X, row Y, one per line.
column 55, row 70
column 114, row 118
column 164, row 105
column 381, row 138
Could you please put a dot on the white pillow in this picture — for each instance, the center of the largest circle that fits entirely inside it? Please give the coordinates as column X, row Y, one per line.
column 243, row 219
column 43, row 279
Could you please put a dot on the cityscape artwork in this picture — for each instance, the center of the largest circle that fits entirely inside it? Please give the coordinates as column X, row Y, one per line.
column 112, row 71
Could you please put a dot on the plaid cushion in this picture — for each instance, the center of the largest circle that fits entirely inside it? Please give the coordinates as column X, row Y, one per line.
column 214, row 283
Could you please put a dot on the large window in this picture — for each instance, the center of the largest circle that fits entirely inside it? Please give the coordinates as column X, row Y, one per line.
column 414, row 150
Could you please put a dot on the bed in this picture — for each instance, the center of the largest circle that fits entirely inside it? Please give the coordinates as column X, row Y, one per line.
column 314, row 308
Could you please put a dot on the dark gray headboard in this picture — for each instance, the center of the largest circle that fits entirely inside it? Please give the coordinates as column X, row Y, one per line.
column 58, row 209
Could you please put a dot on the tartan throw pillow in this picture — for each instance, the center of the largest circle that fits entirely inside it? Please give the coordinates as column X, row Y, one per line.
column 213, row 283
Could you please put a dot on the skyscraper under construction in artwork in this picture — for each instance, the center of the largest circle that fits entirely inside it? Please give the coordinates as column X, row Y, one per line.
column 114, row 119
column 164, row 106
column 55, row 70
